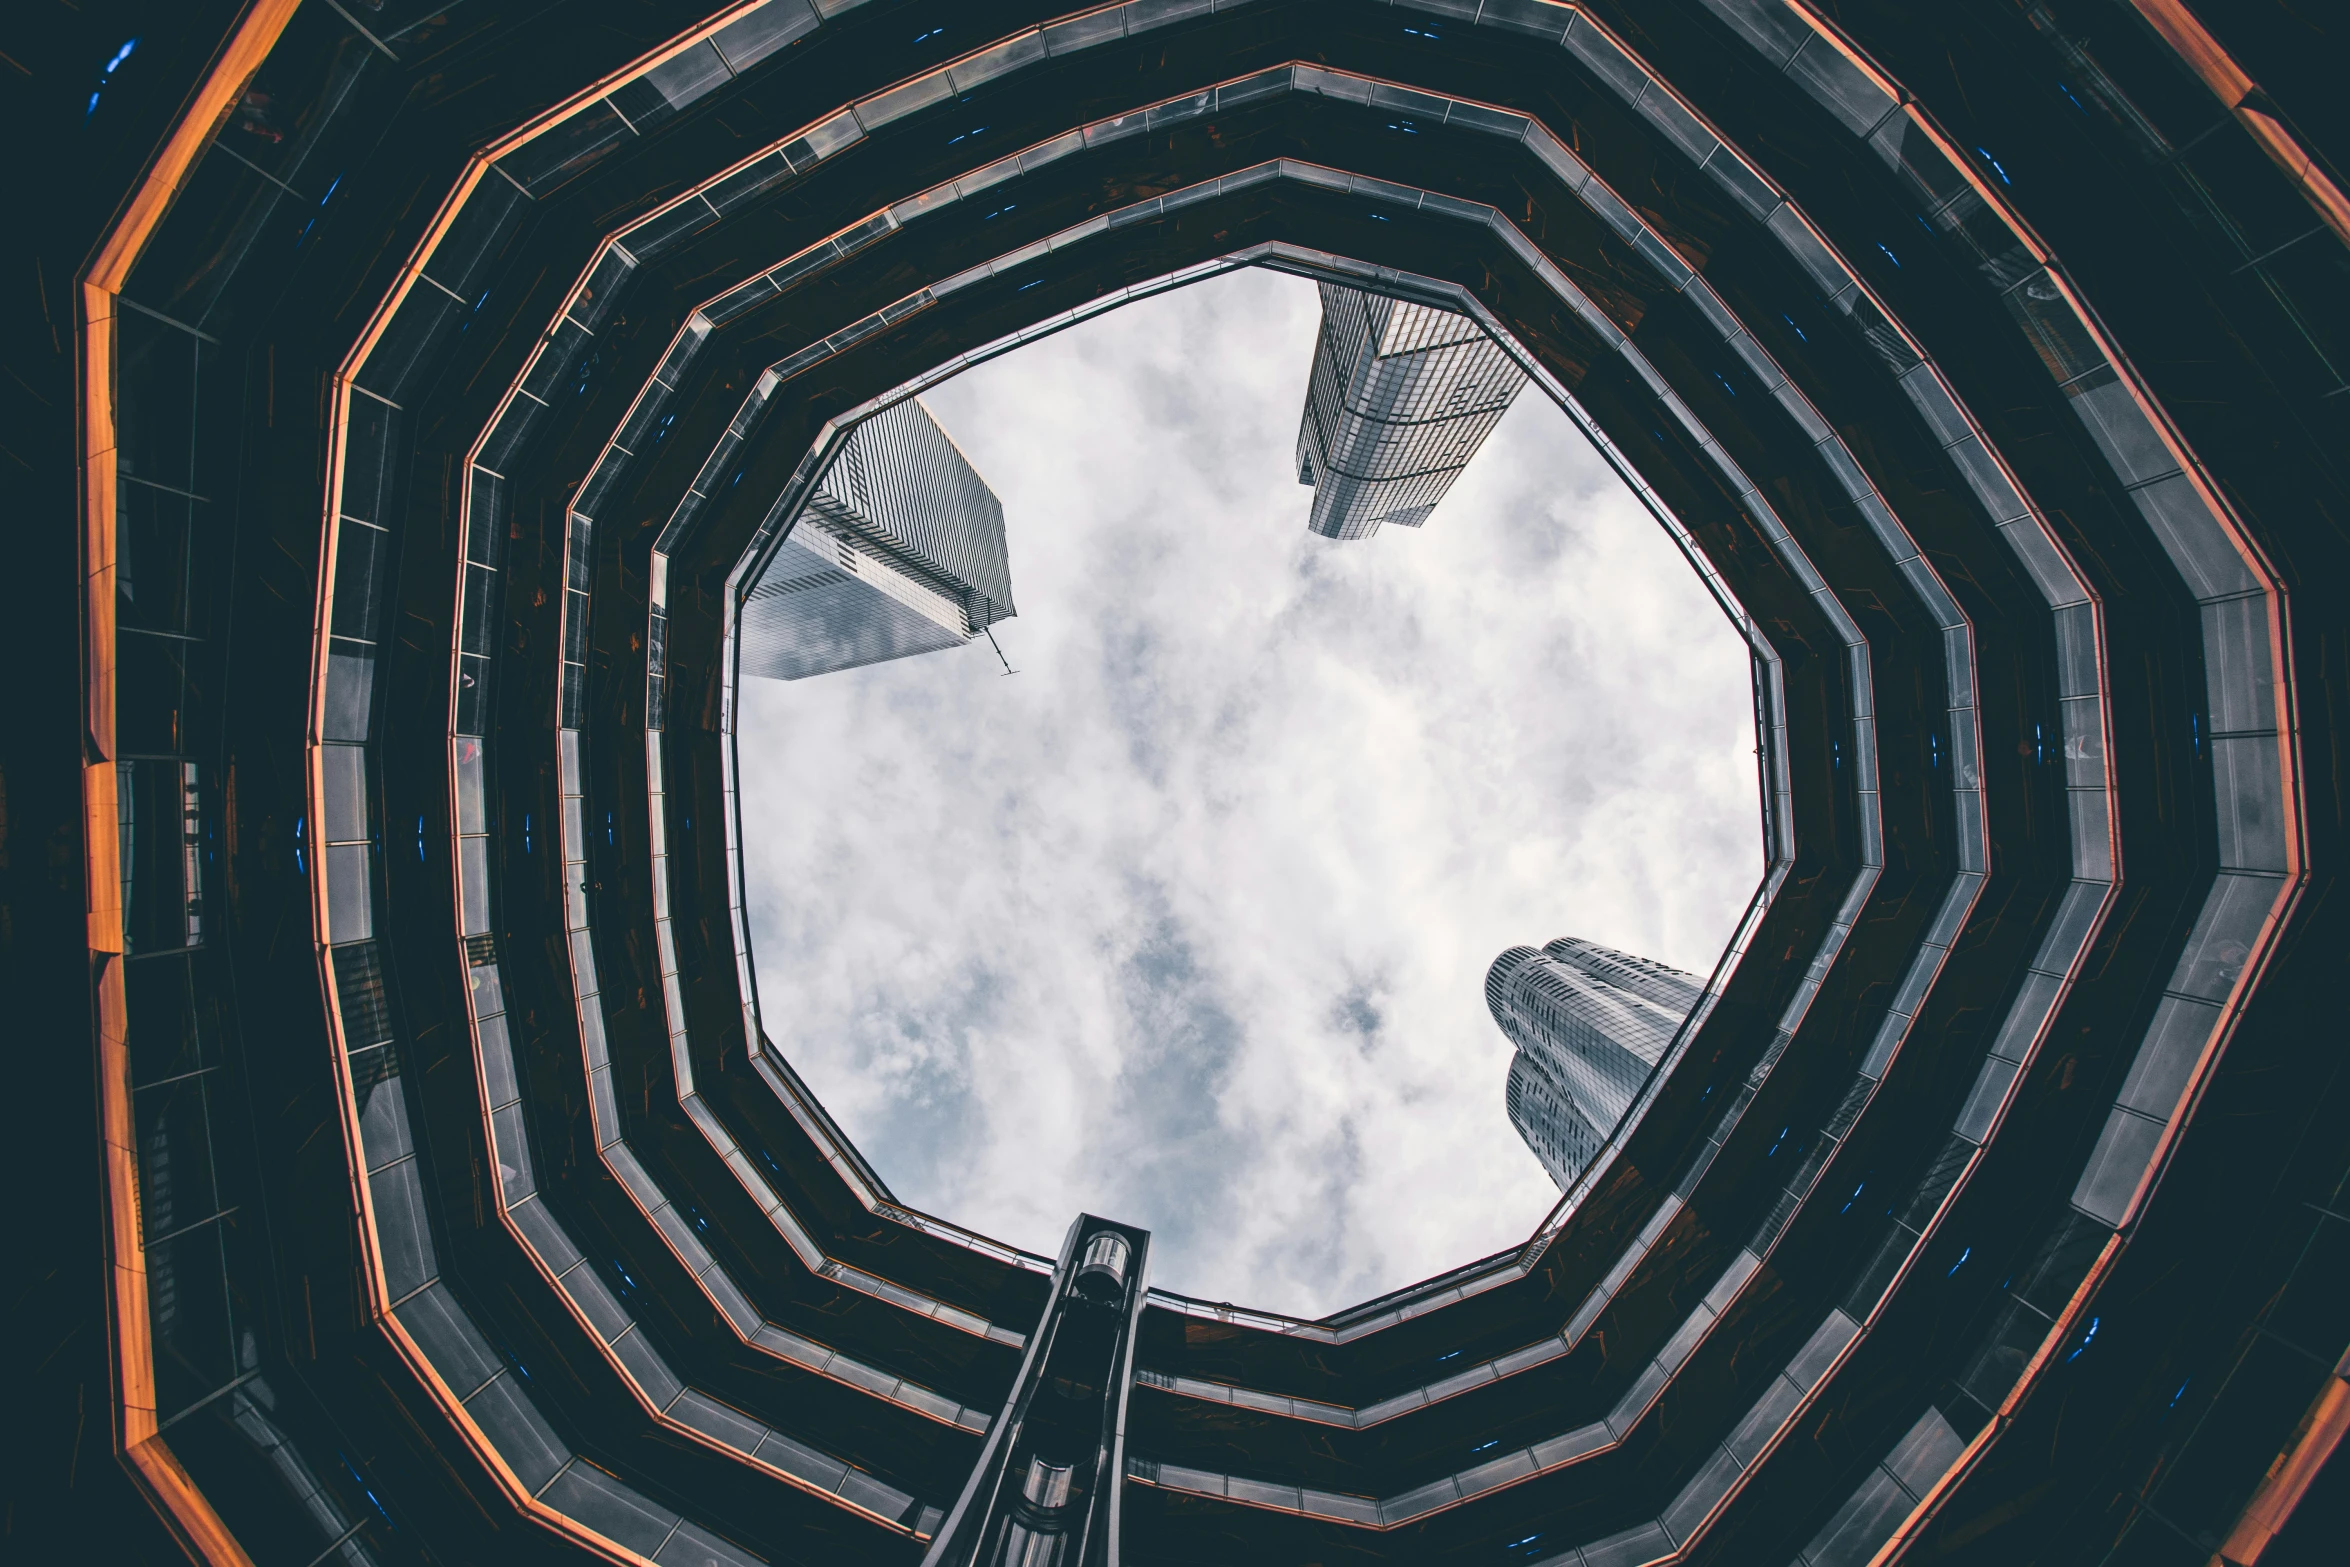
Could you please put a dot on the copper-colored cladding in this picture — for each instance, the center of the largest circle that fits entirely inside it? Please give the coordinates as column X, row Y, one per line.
column 338, row 422
column 2302, row 1451
column 182, row 1506
column 341, row 388
column 2227, row 80
column 2067, row 1321
column 2289, row 1478
column 1910, row 1528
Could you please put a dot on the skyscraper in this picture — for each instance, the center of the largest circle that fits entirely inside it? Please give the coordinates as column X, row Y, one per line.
column 504, row 1297
column 1590, row 1023
column 1401, row 397
column 900, row 551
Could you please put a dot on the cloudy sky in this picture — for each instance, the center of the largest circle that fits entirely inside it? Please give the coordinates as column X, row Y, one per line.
column 1187, row 923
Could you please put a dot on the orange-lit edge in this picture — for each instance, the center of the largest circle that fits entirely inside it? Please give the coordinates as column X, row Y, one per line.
column 2288, row 754
column 2290, row 1475
column 2228, row 81
column 167, row 1486
column 340, row 391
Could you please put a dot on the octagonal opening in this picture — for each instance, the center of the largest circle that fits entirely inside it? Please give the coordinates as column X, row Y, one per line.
column 1189, row 919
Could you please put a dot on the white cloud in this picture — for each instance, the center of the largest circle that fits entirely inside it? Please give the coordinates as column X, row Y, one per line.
column 1187, row 924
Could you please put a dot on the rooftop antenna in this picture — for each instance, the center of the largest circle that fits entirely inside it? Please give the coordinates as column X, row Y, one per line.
column 999, row 651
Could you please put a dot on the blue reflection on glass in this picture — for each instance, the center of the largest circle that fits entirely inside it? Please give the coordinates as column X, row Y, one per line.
column 108, row 70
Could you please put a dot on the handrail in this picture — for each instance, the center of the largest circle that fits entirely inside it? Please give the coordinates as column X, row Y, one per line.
column 184, row 1508
column 2233, row 86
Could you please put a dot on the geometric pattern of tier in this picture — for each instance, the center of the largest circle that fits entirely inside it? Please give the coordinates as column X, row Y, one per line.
column 427, row 386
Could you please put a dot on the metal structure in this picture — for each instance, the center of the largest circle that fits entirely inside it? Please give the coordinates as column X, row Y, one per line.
column 1400, row 397
column 1047, row 1487
column 405, row 1170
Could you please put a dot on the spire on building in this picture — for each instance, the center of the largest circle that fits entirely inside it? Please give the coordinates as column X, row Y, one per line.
column 899, row 551
column 1400, row 398
column 1590, row 1024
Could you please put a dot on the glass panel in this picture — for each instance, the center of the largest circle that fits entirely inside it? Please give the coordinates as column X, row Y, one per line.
column 497, row 1062
column 155, row 399
column 359, row 992
column 475, row 629
column 685, row 78
column 468, row 252
column 450, row 1340
column 367, row 444
column 362, row 554
column 753, row 38
column 159, row 808
column 567, row 150
column 158, row 570
column 350, row 892
column 472, row 797
column 482, row 975
column 1840, row 87
column 173, row 1020
column 152, row 679
column 343, row 769
column 188, row 1309
column 473, row 881
column 751, row 179
column 512, row 429
column 177, row 1186
column 383, row 1111
column 550, row 373
column 575, row 627
column 2064, row 344
column 473, row 674
column 485, row 523
column 602, row 292
column 611, row 1509
column 401, row 1230
column 405, row 355
column 519, row 1432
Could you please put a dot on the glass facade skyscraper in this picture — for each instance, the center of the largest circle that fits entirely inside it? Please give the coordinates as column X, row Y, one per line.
column 900, row 551
column 1590, row 1023
column 1401, row 397
column 587, row 1275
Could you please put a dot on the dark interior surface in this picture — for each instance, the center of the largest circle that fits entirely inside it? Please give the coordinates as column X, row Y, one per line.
column 411, row 722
